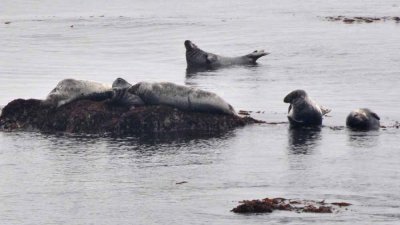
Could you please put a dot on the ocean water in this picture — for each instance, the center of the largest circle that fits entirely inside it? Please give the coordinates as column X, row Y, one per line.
column 75, row 179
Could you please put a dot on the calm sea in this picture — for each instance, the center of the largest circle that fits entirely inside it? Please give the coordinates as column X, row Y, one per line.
column 72, row 179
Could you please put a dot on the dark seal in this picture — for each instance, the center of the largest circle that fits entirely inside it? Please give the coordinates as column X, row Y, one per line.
column 303, row 111
column 363, row 119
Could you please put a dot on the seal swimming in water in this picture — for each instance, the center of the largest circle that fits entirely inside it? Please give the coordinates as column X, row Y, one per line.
column 69, row 90
column 181, row 97
column 303, row 111
column 197, row 58
column 363, row 119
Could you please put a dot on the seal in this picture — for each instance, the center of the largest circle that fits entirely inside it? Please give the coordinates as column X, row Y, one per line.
column 121, row 95
column 303, row 111
column 363, row 119
column 181, row 97
column 197, row 58
column 69, row 90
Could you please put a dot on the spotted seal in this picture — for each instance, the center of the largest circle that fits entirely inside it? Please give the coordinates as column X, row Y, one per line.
column 363, row 119
column 197, row 58
column 181, row 97
column 303, row 111
column 70, row 90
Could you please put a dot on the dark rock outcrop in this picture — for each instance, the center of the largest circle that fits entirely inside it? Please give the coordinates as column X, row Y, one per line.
column 268, row 205
column 94, row 117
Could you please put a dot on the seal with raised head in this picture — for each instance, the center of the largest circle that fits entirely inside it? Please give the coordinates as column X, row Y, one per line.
column 181, row 97
column 197, row 58
column 363, row 119
column 303, row 111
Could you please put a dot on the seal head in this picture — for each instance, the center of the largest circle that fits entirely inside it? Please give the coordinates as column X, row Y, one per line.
column 363, row 119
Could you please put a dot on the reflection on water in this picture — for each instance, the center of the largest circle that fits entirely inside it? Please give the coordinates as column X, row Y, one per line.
column 302, row 140
column 193, row 71
column 363, row 139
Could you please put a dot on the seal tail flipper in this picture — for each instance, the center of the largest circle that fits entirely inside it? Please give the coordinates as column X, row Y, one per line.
column 256, row 55
column 324, row 110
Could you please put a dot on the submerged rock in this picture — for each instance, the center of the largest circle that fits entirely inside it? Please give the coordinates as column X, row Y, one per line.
column 95, row 117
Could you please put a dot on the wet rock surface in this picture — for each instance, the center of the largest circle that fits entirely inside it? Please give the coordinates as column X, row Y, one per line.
column 268, row 205
column 94, row 117
column 362, row 19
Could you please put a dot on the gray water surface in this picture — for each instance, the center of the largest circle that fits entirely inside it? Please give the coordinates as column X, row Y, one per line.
column 75, row 179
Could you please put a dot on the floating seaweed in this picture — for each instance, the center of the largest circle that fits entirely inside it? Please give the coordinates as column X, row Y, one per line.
column 268, row 205
column 362, row 19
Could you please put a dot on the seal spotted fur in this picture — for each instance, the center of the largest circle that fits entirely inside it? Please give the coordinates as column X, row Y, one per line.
column 69, row 90
column 181, row 97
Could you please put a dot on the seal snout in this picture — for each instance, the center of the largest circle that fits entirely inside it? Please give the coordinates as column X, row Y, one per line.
column 189, row 45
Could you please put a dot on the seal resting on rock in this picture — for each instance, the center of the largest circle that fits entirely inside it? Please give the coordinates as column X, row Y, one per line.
column 363, row 119
column 69, row 90
column 181, row 97
column 303, row 111
column 143, row 93
column 197, row 58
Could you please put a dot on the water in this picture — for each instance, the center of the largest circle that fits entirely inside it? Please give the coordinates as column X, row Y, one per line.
column 70, row 179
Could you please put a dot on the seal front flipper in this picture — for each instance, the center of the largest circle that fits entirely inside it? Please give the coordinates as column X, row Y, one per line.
column 375, row 116
column 324, row 110
column 211, row 59
column 97, row 96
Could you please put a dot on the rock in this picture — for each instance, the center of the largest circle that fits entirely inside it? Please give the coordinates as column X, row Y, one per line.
column 268, row 205
column 7, row 22
column 94, row 117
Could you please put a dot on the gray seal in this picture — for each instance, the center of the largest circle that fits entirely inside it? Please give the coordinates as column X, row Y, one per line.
column 121, row 95
column 303, row 111
column 70, row 90
column 197, row 58
column 181, row 97
column 363, row 119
